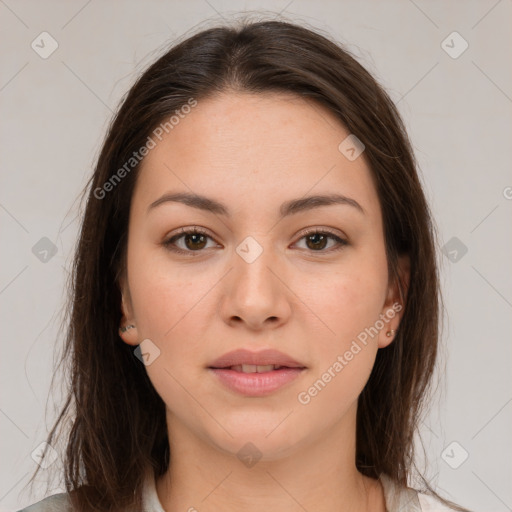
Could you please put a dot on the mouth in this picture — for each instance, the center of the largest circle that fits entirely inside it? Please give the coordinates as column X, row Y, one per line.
column 256, row 374
column 247, row 361
column 255, row 368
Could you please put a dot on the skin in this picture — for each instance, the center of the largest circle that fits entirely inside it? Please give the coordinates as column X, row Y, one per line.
column 252, row 153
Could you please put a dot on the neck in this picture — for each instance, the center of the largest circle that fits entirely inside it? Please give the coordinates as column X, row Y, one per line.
column 319, row 475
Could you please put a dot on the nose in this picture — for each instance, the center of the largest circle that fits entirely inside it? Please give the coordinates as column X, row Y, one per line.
column 255, row 293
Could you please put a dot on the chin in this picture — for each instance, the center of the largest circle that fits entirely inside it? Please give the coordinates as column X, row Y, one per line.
column 258, row 436
column 252, row 449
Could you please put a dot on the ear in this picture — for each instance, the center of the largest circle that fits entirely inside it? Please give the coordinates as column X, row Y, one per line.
column 130, row 335
column 394, row 305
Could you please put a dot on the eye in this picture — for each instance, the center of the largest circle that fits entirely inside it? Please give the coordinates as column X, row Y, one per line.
column 193, row 238
column 316, row 240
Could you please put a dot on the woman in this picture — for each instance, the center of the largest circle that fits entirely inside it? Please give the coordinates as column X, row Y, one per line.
column 255, row 298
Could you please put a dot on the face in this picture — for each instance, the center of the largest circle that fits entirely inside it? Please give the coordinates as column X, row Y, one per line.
column 309, row 280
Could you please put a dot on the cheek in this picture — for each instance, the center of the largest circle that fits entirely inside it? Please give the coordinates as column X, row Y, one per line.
column 335, row 388
column 350, row 298
column 351, row 303
column 172, row 310
column 167, row 298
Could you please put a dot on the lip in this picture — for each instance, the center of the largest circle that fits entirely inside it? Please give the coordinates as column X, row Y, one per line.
column 256, row 384
column 260, row 358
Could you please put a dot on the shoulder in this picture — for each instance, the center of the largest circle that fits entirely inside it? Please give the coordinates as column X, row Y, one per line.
column 406, row 499
column 55, row 503
column 431, row 504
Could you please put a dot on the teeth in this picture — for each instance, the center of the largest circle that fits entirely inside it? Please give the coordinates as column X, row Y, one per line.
column 253, row 368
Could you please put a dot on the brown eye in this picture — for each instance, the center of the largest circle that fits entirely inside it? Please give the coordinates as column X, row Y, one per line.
column 316, row 241
column 194, row 240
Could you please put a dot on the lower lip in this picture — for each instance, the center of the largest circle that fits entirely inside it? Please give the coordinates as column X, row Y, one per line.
column 256, row 384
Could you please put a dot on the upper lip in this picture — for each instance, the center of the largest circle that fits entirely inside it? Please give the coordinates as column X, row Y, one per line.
column 261, row 358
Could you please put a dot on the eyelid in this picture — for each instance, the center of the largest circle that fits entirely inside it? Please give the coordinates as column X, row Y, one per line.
column 340, row 239
column 316, row 229
column 169, row 241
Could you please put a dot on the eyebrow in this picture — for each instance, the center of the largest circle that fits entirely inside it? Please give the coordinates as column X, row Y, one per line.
column 290, row 207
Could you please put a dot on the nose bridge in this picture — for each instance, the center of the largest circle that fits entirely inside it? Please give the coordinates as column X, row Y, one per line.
column 255, row 261
column 255, row 293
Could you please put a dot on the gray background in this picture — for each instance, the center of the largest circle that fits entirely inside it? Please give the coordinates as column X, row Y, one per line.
column 54, row 113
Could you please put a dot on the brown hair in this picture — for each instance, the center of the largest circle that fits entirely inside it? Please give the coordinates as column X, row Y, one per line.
column 118, row 425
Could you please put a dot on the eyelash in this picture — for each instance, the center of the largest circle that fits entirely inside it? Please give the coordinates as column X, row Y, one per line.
column 169, row 244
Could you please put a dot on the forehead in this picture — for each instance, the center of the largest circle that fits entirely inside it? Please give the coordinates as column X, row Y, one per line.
column 255, row 149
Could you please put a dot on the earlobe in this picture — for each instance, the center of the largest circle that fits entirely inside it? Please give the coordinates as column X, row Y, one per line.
column 127, row 328
column 387, row 335
column 395, row 302
column 128, row 334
